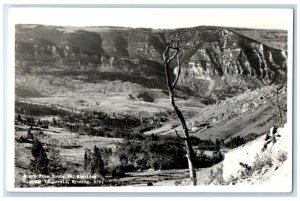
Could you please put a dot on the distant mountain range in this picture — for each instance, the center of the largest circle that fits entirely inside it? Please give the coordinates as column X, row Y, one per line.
column 217, row 62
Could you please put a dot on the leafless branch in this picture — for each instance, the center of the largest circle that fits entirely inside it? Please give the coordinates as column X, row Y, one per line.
column 166, row 53
column 172, row 57
column 182, row 138
column 179, row 71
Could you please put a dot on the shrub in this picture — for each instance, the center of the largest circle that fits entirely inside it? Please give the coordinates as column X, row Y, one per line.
column 151, row 154
column 117, row 171
column 262, row 161
column 235, row 142
column 154, row 164
column 216, row 177
column 178, row 182
column 146, row 97
column 282, row 157
column 247, row 172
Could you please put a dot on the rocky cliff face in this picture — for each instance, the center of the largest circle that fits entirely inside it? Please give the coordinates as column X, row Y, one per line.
column 232, row 61
column 233, row 54
column 217, row 62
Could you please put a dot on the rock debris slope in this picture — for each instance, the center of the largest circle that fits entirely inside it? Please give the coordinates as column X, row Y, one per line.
column 265, row 161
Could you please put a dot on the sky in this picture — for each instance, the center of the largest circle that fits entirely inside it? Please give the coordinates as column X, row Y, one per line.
column 154, row 17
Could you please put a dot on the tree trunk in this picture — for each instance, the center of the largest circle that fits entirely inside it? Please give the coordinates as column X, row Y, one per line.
column 279, row 116
column 189, row 150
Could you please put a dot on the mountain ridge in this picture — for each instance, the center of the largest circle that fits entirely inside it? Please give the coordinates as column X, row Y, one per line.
column 218, row 62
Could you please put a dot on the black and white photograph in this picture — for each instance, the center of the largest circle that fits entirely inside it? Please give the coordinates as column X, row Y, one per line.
column 149, row 98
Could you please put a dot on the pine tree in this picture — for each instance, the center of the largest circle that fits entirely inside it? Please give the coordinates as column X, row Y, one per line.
column 97, row 164
column 89, row 159
column 29, row 135
column 55, row 161
column 218, row 143
column 32, row 120
column 28, row 120
column 37, row 147
column 54, row 121
column 40, row 162
column 222, row 143
column 85, row 160
column 19, row 118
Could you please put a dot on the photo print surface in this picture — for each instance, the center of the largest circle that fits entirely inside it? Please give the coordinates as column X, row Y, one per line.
column 151, row 98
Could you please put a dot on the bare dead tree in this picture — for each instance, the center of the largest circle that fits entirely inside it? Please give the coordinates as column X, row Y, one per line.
column 278, row 105
column 171, row 53
column 279, row 115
